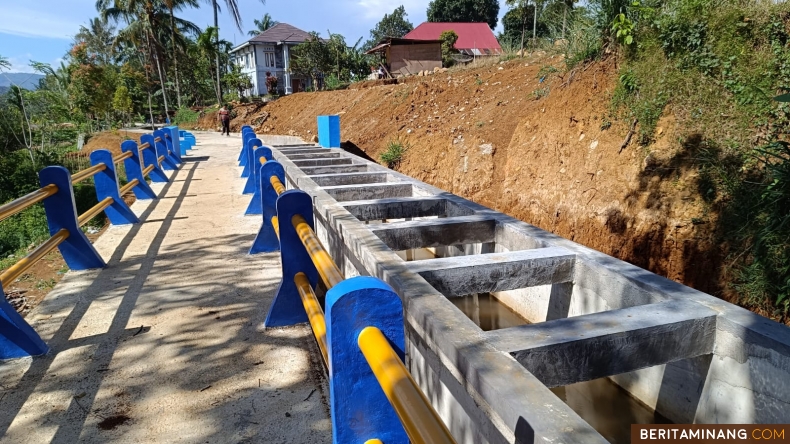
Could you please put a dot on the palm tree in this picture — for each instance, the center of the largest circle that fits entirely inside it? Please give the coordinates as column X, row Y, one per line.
column 98, row 37
column 171, row 6
column 262, row 25
column 4, row 63
column 233, row 7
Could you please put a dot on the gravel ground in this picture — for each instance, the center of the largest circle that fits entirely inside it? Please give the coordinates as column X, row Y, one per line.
column 166, row 344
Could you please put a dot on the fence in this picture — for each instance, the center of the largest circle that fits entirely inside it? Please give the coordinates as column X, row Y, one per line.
column 373, row 398
column 150, row 159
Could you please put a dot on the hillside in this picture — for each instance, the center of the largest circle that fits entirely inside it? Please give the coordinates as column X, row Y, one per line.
column 546, row 152
column 24, row 80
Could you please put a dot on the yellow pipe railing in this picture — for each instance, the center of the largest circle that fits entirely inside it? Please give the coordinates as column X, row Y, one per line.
column 94, row 211
column 27, row 201
column 277, row 185
column 321, row 259
column 79, row 176
column 422, row 424
column 144, row 146
column 16, row 270
column 128, row 187
column 147, row 170
column 158, row 139
column 160, row 159
column 314, row 313
column 122, row 157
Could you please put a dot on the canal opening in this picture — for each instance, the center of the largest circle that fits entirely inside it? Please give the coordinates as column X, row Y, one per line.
column 608, row 408
column 488, row 312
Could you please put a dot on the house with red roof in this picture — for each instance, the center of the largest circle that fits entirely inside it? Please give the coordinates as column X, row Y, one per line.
column 474, row 39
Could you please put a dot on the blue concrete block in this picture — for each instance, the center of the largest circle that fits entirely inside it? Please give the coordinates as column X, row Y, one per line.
column 175, row 140
column 287, row 308
column 267, row 241
column 251, row 184
column 162, row 151
column 359, row 408
column 173, row 152
column 17, row 337
column 61, row 211
column 255, row 204
column 150, row 157
column 246, row 134
column 106, row 183
column 329, row 131
column 134, row 170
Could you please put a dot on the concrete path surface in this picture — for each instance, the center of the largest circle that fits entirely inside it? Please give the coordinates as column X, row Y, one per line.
column 166, row 344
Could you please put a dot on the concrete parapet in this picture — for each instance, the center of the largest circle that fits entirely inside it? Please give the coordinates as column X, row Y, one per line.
column 688, row 355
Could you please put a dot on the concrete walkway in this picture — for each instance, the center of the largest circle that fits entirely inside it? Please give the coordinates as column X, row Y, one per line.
column 166, row 344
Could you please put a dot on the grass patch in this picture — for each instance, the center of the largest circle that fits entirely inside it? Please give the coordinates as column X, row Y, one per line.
column 393, row 155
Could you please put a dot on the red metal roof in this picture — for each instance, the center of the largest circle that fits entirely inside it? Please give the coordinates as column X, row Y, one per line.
column 470, row 35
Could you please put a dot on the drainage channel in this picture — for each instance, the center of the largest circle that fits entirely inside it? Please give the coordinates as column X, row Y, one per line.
column 598, row 340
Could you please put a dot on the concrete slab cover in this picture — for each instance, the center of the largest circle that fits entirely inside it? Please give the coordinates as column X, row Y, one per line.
column 166, row 344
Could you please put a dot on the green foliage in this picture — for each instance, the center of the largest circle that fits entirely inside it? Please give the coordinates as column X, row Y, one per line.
column 185, row 115
column 262, row 25
column 392, row 25
column 393, row 155
column 448, row 39
column 585, row 42
column 623, row 28
column 464, row 11
column 517, row 19
column 236, row 81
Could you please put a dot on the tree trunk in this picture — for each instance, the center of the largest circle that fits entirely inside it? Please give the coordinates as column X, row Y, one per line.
column 219, row 79
column 175, row 57
column 524, row 28
column 151, row 112
column 535, row 24
column 155, row 55
column 564, row 19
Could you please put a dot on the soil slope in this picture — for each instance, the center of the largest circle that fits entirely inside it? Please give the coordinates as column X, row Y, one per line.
column 536, row 143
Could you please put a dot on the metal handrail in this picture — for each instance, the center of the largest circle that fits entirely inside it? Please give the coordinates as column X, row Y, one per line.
column 160, row 159
column 323, row 262
column 128, row 187
column 147, row 170
column 79, row 176
column 27, row 201
column 16, row 270
column 419, row 419
column 94, row 211
column 122, row 157
column 277, row 185
column 158, row 139
column 314, row 313
column 144, row 146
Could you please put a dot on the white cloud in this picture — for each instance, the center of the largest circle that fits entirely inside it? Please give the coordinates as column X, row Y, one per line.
column 22, row 21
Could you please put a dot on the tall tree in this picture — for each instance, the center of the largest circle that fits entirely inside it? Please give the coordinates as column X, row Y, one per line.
column 473, row 11
column 262, row 25
column 392, row 25
column 97, row 37
column 4, row 63
column 173, row 5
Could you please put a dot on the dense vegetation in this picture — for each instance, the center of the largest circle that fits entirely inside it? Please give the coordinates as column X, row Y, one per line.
column 715, row 66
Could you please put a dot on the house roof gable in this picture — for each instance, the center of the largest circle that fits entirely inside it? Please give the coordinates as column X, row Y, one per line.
column 470, row 35
column 281, row 32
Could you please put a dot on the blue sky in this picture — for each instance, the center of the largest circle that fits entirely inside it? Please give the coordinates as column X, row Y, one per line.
column 42, row 30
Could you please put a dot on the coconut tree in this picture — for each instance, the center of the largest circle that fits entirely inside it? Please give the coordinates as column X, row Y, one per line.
column 4, row 63
column 173, row 5
column 263, row 24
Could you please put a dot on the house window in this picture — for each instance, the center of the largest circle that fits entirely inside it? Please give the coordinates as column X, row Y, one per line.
column 269, row 59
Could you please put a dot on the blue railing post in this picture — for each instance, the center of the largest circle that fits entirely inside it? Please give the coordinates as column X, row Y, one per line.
column 151, row 157
column 172, row 150
column 245, row 136
column 61, row 211
column 134, row 170
column 245, row 162
column 255, row 206
column 354, row 391
column 175, row 141
column 161, row 151
column 17, row 337
column 287, row 308
column 267, row 241
column 106, row 183
column 251, row 183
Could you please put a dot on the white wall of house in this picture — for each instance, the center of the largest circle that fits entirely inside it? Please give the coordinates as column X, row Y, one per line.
column 257, row 59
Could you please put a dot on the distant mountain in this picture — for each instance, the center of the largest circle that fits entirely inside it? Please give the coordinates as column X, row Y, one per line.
column 24, row 80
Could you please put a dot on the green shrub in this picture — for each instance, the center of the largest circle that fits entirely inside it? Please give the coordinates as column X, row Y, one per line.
column 393, row 155
column 185, row 115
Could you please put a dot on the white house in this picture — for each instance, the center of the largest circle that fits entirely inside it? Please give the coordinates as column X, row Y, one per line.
column 269, row 51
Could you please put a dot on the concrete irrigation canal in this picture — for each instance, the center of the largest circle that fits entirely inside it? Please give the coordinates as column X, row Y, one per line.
column 509, row 333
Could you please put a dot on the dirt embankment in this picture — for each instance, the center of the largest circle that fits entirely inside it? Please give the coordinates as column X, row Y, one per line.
column 536, row 144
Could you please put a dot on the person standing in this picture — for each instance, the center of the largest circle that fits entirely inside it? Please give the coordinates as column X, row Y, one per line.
column 224, row 117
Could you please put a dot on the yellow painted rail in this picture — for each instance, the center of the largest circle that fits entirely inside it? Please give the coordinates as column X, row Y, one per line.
column 160, row 159
column 26, row 201
column 16, row 270
column 147, row 170
column 321, row 259
column 122, row 157
column 314, row 313
column 422, row 424
column 128, row 187
column 94, row 211
column 79, row 176
column 144, row 146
